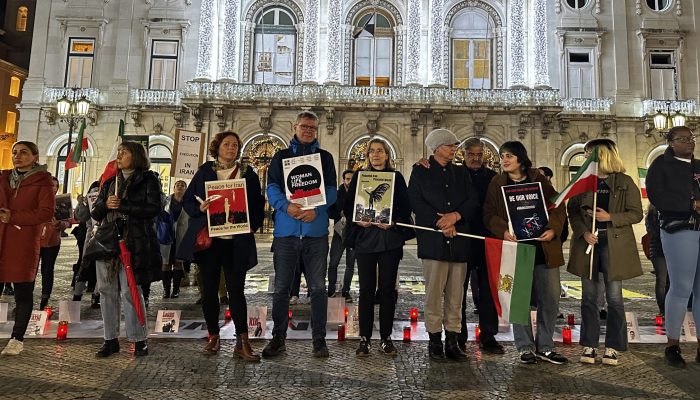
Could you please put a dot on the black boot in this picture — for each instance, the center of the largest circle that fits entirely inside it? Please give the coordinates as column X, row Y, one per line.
column 167, row 278
column 452, row 350
column 462, row 338
column 435, row 350
column 177, row 279
column 108, row 348
column 95, row 301
column 44, row 302
column 141, row 348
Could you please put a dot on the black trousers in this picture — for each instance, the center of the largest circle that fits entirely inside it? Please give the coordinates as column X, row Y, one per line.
column 233, row 257
column 488, row 319
column 387, row 264
column 24, row 299
column 48, row 264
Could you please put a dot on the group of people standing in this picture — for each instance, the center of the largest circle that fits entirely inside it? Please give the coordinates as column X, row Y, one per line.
column 444, row 197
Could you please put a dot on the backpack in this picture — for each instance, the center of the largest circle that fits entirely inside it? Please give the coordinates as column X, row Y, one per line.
column 164, row 228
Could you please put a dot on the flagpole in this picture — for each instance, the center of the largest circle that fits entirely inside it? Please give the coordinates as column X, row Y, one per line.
column 593, row 224
column 423, row 228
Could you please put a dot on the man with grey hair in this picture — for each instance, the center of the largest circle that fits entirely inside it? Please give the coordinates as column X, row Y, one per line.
column 442, row 198
column 299, row 234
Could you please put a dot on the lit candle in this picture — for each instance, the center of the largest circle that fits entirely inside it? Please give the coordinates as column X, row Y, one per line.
column 49, row 312
column 477, row 332
column 414, row 315
column 62, row 331
column 341, row 332
column 566, row 334
column 570, row 320
column 227, row 314
column 346, row 314
column 407, row 334
column 289, row 314
column 659, row 320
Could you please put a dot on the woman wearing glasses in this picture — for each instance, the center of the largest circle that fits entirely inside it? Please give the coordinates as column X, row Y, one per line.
column 673, row 185
column 618, row 207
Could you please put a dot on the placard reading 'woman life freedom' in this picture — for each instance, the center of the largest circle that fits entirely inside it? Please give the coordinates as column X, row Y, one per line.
column 526, row 209
column 374, row 197
column 303, row 178
column 228, row 210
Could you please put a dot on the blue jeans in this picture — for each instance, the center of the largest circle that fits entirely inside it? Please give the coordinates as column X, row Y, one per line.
column 313, row 252
column 546, row 284
column 615, row 323
column 111, row 287
column 682, row 251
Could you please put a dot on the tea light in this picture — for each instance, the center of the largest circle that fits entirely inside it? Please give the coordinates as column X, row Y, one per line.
column 566, row 334
column 62, row 331
column 414, row 315
column 570, row 320
column 406, row 334
column 341, row 332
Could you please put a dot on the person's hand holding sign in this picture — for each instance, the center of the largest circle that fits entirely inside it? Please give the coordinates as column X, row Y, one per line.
column 294, row 210
column 546, row 236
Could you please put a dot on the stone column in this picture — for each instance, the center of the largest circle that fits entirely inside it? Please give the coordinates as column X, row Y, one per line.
column 228, row 63
column 208, row 38
column 539, row 44
column 516, row 43
column 310, row 71
column 436, row 43
column 413, row 52
column 335, row 42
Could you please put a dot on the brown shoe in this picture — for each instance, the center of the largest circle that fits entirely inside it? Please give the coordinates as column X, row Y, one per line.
column 213, row 345
column 243, row 349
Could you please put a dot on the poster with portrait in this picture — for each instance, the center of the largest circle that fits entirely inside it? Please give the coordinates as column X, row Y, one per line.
column 37, row 323
column 64, row 207
column 228, row 210
column 257, row 321
column 167, row 321
column 527, row 211
column 303, row 178
column 374, row 197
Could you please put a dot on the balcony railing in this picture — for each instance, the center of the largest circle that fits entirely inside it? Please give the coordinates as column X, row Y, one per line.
column 408, row 96
column 587, row 106
column 687, row 107
column 53, row 94
column 148, row 97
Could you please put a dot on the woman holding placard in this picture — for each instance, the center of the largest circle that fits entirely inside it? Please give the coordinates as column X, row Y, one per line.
column 236, row 254
column 377, row 241
column 618, row 206
column 26, row 202
column 517, row 169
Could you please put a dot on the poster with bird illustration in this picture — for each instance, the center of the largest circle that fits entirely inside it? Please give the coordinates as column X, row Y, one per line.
column 374, row 197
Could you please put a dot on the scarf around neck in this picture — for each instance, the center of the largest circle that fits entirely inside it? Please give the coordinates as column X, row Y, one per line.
column 16, row 178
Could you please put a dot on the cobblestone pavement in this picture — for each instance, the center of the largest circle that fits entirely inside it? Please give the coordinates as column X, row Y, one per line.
column 178, row 369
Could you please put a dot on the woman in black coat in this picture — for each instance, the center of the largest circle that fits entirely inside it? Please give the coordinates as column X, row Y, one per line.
column 236, row 254
column 378, row 249
column 133, row 196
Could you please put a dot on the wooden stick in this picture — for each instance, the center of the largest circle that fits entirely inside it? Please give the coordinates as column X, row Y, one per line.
column 593, row 227
column 423, row 228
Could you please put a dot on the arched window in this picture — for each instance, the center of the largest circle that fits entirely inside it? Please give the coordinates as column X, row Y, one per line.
column 374, row 49
column 357, row 156
column 275, row 46
column 161, row 159
column 577, row 4
column 575, row 162
column 659, row 5
column 472, row 36
column 22, row 16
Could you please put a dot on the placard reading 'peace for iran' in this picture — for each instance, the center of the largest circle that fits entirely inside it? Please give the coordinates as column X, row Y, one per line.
column 526, row 209
column 228, row 210
column 303, row 178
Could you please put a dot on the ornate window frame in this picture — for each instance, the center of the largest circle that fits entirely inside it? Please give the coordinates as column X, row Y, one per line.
column 498, row 38
column 399, row 34
column 249, row 36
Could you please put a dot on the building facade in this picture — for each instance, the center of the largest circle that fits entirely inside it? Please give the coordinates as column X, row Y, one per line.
column 551, row 73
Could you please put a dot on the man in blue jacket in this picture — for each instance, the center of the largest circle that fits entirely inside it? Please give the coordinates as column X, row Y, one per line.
column 300, row 233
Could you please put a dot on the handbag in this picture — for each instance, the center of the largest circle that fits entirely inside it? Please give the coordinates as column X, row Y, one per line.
column 164, row 228
column 103, row 244
column 202, row 241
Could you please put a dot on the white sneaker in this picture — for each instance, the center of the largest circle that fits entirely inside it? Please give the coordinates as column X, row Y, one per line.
column 610, row 357
column 13, row 348
column 294, row 300
column 588, row 355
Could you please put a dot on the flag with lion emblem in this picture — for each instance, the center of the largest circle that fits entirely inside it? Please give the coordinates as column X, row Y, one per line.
column 510, row 268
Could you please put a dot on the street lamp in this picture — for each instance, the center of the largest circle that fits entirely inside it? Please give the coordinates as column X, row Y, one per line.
column 664, row 121
column 71, row 110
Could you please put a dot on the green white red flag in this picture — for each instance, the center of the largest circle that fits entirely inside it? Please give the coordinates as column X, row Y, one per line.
column 111, row 167
column 510, row 269
column 643, row 181
column 74, row 157
column 585, row 180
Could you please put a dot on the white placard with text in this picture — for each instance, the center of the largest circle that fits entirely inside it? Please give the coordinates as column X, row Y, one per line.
column 257, row 318
column 632, row 327
column 37, row 323
column 689, row 330
column 168, row 321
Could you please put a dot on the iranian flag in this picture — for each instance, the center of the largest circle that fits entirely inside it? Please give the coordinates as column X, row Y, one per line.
column 111, row 167
column 585, row 180
column 510, row 268
column 643, row 181
column 74, row 156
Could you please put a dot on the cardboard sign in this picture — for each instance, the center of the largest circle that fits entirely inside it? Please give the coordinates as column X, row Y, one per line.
column 257, row 321
column 374, row 197
column 69, row 311
column 228, row 210
column 632, row 327
column 168, row 321
column 303, row 181
column 37, row 323
column 689, row 330
column 336, row 310
column 352, row 327
column 526, row 208
column 188, row 153
column 3, row 312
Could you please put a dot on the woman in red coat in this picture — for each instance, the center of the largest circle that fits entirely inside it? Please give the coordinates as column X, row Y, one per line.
column 26, row 202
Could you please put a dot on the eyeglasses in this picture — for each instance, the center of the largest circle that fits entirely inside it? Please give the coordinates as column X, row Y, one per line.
column 685, row 139
column 308, row 128
column 475, row 155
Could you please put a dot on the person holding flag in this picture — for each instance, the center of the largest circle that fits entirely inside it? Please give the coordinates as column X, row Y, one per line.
column 517, row 169
column 133, row 195
column 615, row 205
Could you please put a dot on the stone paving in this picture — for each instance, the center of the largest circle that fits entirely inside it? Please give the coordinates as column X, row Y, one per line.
column 178, row 369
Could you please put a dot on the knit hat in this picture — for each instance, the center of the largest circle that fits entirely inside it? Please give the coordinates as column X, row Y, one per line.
column 440, row 137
